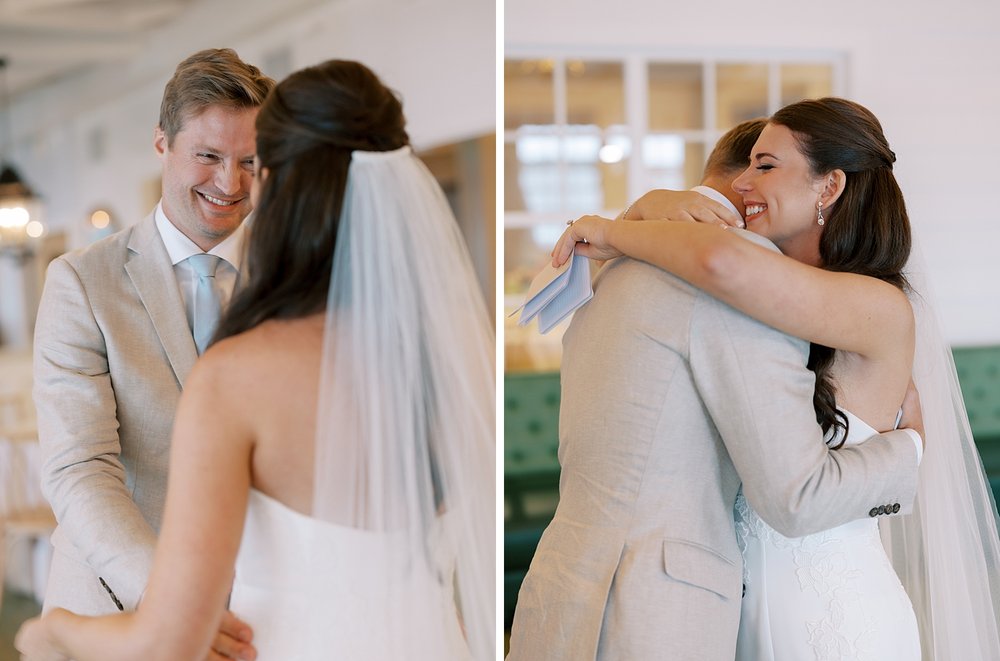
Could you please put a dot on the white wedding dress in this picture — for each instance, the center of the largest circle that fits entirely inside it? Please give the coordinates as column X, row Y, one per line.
column 832, row 595
column 315, row 591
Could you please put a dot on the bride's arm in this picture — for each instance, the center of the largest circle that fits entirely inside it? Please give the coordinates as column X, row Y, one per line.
column 183, row 605
column 846, row 311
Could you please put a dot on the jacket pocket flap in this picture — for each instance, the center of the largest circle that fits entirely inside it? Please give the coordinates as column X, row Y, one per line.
column 702, row 567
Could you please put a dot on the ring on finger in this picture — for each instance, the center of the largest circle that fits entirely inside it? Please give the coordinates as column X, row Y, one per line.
column 585, row 240
column 570, row 222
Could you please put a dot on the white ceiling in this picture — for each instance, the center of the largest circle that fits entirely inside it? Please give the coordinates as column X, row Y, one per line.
column 44, row 40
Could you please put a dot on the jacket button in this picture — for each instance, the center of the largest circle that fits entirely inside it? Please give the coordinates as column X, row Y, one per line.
column 881, row 509
column 895, row 508
column 873, row 512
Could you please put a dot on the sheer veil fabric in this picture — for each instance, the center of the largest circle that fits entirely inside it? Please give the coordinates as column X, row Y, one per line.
column 405, row 445
column 946, row 552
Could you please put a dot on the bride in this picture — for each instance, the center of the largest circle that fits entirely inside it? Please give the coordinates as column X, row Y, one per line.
column 820, row 186
column 336, row 444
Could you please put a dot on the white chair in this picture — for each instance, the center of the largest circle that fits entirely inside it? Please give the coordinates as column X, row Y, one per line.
column 26, row 552
column 26, row 521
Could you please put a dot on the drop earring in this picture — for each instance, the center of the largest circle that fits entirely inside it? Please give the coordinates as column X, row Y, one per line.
column 819, row 214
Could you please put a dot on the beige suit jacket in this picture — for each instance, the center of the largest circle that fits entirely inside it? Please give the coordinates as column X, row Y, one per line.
column 669, row 398
column 112, row 351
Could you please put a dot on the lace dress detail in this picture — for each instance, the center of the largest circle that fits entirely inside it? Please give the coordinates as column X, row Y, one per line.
column 829, row 596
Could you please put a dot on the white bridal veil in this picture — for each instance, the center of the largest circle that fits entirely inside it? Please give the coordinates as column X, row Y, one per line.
column 406, row 433
column 947, row 552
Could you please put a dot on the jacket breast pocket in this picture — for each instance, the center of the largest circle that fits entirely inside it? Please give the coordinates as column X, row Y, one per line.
column 702, row 567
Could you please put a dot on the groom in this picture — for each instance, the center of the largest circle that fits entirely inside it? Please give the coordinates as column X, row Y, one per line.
column 669, row 400
column 121, row 323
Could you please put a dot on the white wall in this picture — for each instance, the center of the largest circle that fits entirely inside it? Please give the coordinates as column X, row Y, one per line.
column 930, row 72
column 439, row 54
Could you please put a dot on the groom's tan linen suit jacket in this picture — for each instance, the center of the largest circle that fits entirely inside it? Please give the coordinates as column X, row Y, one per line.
column 112, row 351
column 669, row 397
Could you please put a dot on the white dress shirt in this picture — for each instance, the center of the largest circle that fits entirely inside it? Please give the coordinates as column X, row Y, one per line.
column 710, row 192
column 179, row 248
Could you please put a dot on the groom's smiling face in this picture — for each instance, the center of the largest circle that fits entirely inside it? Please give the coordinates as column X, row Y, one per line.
column 207, row 169
column 779, row 189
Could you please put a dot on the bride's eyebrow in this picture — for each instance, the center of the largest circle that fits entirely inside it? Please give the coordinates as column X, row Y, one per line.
column 764, row 154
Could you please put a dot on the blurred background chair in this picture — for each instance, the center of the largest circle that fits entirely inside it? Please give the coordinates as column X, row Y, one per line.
column 26, row 521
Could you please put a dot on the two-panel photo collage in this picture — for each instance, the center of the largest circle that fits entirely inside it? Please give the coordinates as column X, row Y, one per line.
column 529, row 330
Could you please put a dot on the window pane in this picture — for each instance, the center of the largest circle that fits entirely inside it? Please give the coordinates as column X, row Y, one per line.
column 805, row 81
column 613, row 167
column 513, row 200
column 595, row 168
column 529, row 97
column 531, row 170
column 694, row 163
column 672, row 162
column 526, row 251
column 595, row 93
column 741, row 93
column 675, row 97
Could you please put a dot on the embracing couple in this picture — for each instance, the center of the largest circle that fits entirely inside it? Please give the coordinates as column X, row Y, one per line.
column 726, row 492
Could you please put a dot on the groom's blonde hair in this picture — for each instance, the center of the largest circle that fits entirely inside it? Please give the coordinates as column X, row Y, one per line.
column 732, row 152
column 210, row 77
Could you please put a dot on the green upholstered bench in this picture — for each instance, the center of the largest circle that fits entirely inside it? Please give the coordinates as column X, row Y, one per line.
column 531, row 471
column 979, row 375
column 531, row 444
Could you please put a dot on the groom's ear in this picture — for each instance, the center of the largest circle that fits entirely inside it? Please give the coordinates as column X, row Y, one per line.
column 836, row 181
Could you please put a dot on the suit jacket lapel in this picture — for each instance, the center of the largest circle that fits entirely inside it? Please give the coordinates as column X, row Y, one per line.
column 152, row 274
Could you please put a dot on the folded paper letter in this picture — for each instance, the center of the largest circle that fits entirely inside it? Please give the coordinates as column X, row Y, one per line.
column 556, row 292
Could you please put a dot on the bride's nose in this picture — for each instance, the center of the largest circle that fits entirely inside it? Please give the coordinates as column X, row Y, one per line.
column 741, row 184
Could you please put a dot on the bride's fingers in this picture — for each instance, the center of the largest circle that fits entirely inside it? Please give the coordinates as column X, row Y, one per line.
column 714, row 216
column 564, row 248
column 567, row 242
column 233, row 640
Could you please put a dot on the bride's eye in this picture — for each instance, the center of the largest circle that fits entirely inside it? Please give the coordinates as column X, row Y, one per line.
column 763, row 167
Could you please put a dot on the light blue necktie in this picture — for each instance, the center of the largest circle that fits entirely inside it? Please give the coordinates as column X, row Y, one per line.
column 207, row 304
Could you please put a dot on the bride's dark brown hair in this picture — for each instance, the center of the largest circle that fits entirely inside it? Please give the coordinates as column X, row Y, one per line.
column 306, row 130
column 867, row 230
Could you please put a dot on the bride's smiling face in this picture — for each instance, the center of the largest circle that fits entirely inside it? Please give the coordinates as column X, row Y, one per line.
column 780, row 191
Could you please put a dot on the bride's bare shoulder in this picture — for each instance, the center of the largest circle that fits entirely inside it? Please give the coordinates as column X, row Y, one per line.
column 272, row 353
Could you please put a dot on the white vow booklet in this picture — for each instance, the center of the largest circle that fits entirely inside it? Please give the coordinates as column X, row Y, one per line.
column 556, row 292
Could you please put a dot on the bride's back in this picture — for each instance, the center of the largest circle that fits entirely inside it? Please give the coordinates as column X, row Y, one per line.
column 272, row 380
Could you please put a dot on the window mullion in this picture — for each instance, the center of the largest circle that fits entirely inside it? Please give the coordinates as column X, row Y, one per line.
column 562, row 122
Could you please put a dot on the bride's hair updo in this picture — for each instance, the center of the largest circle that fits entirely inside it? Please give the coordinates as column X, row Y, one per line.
column 306, row 130
column 867, row 230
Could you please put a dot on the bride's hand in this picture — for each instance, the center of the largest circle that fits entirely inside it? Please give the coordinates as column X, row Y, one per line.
column 690, row 206
column 912, row 417
column 35, row 644
column 588, row 235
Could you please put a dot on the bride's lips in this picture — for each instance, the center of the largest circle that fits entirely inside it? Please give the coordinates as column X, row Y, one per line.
column 754, row 210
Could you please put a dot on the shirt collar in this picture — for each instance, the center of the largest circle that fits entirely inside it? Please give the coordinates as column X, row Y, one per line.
column 179, row 247
column 708, row 191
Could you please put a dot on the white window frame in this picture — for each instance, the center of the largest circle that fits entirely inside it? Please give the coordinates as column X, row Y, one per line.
column 635, row 80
